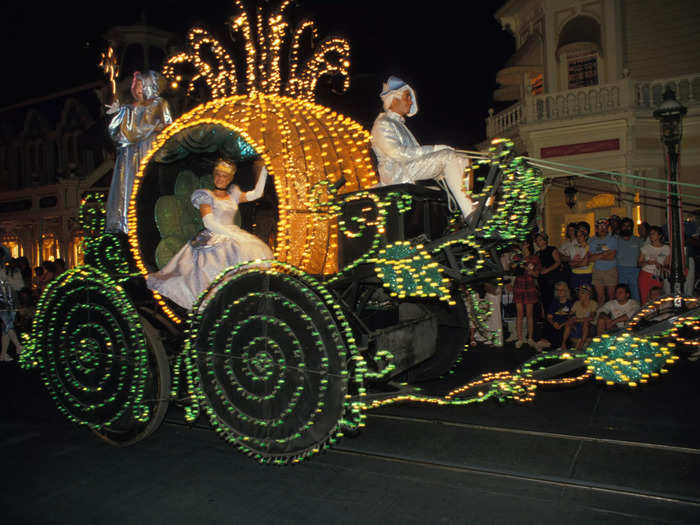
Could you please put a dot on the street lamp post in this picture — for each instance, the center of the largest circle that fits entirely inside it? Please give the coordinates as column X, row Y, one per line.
column 670, row 115
column 570, row 195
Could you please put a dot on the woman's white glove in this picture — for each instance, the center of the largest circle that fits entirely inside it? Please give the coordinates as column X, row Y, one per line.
column 257, row 192
column 214, row 226
column 113, row 108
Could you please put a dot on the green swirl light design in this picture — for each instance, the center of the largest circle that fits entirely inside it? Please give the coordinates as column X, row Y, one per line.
column 271, row 367
column 90, row 349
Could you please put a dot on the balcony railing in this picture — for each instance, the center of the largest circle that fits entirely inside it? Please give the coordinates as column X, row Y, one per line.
column 507, row 119
column 649, row 94
column 623, row 95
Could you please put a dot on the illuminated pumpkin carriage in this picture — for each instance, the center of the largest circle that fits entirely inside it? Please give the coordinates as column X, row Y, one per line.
column 370, row 287
column 371, row 292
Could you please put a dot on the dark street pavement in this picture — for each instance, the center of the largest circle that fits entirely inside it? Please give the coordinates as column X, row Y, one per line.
column 588, row 454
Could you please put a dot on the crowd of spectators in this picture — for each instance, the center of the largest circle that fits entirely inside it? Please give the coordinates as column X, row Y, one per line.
column 589, row 285
column 22, row 288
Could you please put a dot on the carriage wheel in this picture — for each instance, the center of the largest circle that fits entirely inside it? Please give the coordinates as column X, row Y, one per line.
column 452, row 339
column 156, row 394
column 102, row 364
column 271, row 361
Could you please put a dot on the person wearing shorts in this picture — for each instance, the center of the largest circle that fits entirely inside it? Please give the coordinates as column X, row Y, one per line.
column 580, row 326
column 525, row 293
column 602, row 252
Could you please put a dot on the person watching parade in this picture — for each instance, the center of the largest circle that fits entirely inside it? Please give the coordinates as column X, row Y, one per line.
column 401, row 159
column 602, row 252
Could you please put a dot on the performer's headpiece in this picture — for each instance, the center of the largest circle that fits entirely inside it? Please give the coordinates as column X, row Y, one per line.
column 227, row 166
column 393, row 88
column 149, row 81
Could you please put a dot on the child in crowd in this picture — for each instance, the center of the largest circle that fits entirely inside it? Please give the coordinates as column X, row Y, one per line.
column 655, row 293
column 525, row 292
column 580, row 326
column 509, row 259
column 558, row 315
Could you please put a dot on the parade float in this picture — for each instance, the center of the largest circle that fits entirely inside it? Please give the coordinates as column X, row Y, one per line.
column 371, row 292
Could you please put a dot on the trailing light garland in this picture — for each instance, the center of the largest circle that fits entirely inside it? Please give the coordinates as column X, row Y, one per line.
column 686, row 331
column 655, row 307
column 519, row 386
column 627, row 359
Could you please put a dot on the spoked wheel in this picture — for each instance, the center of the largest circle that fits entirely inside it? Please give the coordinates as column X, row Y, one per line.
column 156, row 394
column 102, row 364
column 452, row 339
column 271, row 360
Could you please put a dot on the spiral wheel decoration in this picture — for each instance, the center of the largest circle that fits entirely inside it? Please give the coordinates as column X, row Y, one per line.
column 95, row 359
column 271, row 361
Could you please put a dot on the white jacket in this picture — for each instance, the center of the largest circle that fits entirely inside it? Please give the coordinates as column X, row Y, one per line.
column 400, row 158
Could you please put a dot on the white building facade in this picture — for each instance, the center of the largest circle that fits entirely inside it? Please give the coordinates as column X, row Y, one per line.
column 584, row 80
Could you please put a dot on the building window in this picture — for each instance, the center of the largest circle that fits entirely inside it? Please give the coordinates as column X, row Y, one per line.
column 14, row 246
column 48, row 247
column 582, row 69
column 537, row 84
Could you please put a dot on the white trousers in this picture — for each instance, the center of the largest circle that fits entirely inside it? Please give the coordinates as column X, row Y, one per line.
column 449, row 165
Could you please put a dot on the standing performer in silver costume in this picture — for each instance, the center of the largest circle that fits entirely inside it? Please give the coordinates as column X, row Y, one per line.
column 401, row 159
column 133, row 128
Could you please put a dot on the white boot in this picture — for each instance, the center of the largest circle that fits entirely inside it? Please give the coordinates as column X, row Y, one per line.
column 454, row 177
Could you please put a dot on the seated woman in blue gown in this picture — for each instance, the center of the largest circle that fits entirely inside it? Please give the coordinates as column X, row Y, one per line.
column 219, row 245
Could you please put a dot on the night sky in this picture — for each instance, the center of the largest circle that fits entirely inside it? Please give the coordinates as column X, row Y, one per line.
column 449, row 51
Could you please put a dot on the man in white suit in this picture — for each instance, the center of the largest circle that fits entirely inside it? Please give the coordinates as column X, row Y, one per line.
column 401, row 159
